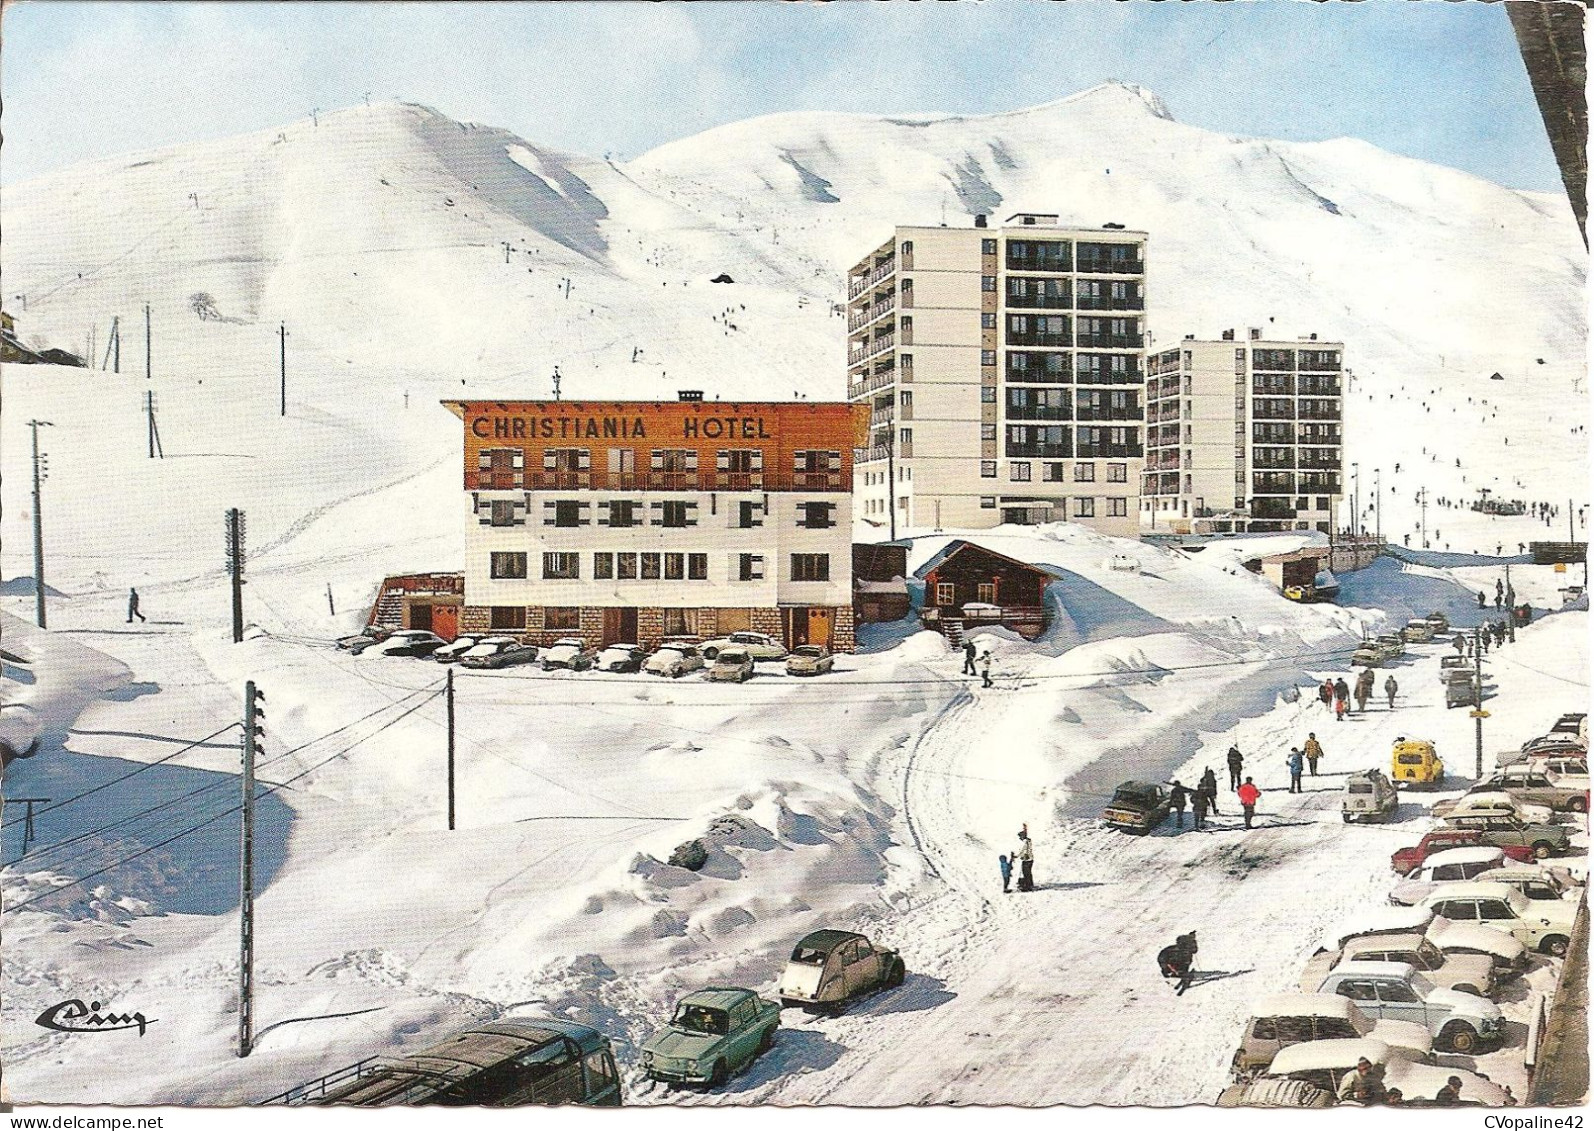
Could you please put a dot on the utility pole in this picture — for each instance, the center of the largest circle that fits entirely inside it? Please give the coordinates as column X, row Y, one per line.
column 254, row 728
column 450, row 697
column 113, row 346
column 1422, row 497
column 1355, row 505
column 556, row 380
column 891, row 480
column 1478, row 712
column 235, row 567
column 40, row 471
column 1511, row 605
column 331, row 608
column 282, row 342
column 154, row 429
column 146, row 343
column 27, row 821
column 1378, row 504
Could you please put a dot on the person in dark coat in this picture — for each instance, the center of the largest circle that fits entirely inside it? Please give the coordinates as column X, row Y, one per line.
column 1341, row 691
column 1178, row 797
column 1296, row 764
column 1483, row 602
column 1390, row 688
column 132, row 606
column 1209, row 787
column 968, row 658
column 1177, row 962
column 1313, row 751
column 1006, row 865
column 1198, row 810
column 1235, row 763
column 1459, row 643
column 1025, row 854
column 1325, row 694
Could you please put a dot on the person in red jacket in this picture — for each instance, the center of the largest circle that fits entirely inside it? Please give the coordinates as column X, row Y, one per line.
column 1249, row 796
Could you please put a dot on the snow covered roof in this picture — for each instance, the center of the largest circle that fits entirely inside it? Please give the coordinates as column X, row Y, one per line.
column 895, row 585
column 958, row 545
column 1302, row 1005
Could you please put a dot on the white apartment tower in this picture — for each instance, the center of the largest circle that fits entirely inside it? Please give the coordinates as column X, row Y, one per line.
column 1244, row 435
column 1004, row 371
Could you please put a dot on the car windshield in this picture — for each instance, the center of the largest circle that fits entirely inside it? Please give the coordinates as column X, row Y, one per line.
column 732, row 657
column 702, row 1019
column 1422, row 985
column 1428, row 956
column 809, row 650
column 808, row 956
column 1360, row 787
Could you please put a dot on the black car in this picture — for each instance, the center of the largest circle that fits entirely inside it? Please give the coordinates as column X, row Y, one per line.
column 1138, row 806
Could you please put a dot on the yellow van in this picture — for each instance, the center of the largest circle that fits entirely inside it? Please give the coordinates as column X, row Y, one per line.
column 1415, row 761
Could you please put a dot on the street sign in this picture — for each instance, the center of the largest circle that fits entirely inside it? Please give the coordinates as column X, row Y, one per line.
column 1479, row 714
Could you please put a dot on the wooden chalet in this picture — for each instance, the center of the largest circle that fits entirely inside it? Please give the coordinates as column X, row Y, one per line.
column 967, row 585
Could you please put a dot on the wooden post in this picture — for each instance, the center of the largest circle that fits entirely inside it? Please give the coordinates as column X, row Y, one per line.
column 450, row 698
column 246, row 875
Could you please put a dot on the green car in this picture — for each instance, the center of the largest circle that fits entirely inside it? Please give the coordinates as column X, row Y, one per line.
column 715, row 1031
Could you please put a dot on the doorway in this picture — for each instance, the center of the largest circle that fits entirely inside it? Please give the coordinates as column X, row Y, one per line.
column 619, row 626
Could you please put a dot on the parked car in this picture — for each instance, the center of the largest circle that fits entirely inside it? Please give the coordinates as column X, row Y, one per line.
column 1137, row 806
column 1442, row 838
column 1322, row 1065
column 1451, row 662
column 1281, row 1020
column 1438, row 622
column 570, row 653
column 1537, row 881
column 507, row 1063
column 1392, row 644
column 731, row 665
column 1369, row 655
column 451, row 652
column 1274, row 1093
column 406, row 642
column 1414, row 761
column 1459, row 1022
column 1526, row 783
column 755, row 644
column 674, row 660
column 829, row 968
column 1418, row 632
column 1509, row 957
column 498, row 654
column 713, row 1032
column 1507, row 831
column 1573, row 723
column 1445, row 867
column 1461, row 693
column 1470, row 973
column 367, row 636
column 809, row 659
column 1543, row 924
column 1368, row 796
column 1561, row 758
column 1490, row 803
column 620, row 658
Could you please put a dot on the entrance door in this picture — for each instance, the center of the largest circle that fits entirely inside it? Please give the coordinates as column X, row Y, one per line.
column 819, row 625
column 445, row 621
column 619, row 626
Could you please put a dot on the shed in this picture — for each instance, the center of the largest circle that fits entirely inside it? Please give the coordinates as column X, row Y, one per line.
column 1300, row 568
column 966, row 585
column 879, row 581
column 421, row 601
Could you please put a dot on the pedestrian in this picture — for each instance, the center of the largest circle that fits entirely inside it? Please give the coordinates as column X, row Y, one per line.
column 1482, row 603
column 1209, row 786
column 1450, row 1094
column 1176, row 962
column 1364, row 689
column 1006, row 864
column 1026, row 861
column 132, row 606
column 1499, row 599
column 985, row 670
column 968, row 657
column 1499, row 585
column 1483, row 642
column 1178, row 797
column 1326, row 694
column 1363, row 1084
column 1235, row 762
column 1394, row 1097
column 1313, row 751
column 1294, row 762
column 1198, row 811
column 1390, row 687
column 1249, row 796
column 1340, row 706
column 1341, row 690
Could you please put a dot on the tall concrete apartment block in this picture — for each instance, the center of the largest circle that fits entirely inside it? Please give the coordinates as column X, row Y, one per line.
column 1004, row 371
column 1244, row 435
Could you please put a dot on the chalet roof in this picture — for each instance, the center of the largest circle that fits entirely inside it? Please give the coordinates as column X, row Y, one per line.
column 958, row 545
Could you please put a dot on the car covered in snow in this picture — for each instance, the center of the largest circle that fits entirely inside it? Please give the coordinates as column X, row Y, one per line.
column 714, row 1031
column 416, row 643
column 1274, row 1093
column 1527, row 783
column 829, row 968
column 1323, row 1065
column 1281, row 1020
column 1543, row 924
column 1442, row 838
column 1137, row 806
column 1490, row 803
column 1368, row 796
column 367, row 636
column 1438, row 622
column 1470, row 973
column 1392, row 644
column 498, row 652
column 1415, row 762
column 512, row 1062
column 569, row 653
column 1442, row 867
column 755, row 644
column 451, row 652
column 620, row 658
column 1449, row 663
column 1417, row 632
column 674, row 660
column 1507, row 831
column 731, row 665
column 809, row 659
column 1459, row 1022
column 1537, row 881
column 1509, row 957
column 1369, row 655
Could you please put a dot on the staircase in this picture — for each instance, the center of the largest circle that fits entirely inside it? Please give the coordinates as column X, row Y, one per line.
column 953, row 631
column 389, row 609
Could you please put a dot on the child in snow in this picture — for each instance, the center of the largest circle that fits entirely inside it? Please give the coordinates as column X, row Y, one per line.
column 1007, row 871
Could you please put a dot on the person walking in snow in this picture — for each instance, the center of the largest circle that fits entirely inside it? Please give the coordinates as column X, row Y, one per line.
column 1364, row 689
column 132, row 606
column 1294, row 762
column 968, row 657
column 1325, row 693
column 1178, row 797
column 985, row 670
column 1390, row 687
column 1313, row 751
column 1459, row 643
column 1341, row 693
column 1198, row 810
column 1025, row 855
column 1341, row 707
column 1006, row 865
column 1249, row 796
column 1209, row 786
column 1483, row 602
column 1235, row 762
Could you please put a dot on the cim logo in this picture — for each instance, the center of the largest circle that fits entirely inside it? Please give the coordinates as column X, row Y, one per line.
column 74, row 1017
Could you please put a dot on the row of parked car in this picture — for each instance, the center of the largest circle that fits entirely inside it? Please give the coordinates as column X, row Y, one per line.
column 733, row 658
column 1473, row 901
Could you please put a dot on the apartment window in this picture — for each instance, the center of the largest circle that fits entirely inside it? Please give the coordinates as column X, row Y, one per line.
column 749, row 567
column 1019, row 472
column 987, row 282
column 1085, row 507
column 674, row 567
column 561, row 566
column 603, row 566
column 697, row 567
column 1117, row 508
column 946, row 594
column 652, row 567
column 987, row 357
column 564, row 512
column 502, row 513
column 816, row 516
column 987, row 321
column 907, row 366
column 1052, row 472
column 680, row 622
column 620, row 512
column 988, row 394
column 749, row 514
column 506, row 565
column 810, row 567
column 677, row 514
column 1117, row 473
column 561, row 617
column 625, row 567
column 1084, row 473
column 988, row 502
column 987, row 247
column 907, row 249
column 988, row 433
column 905, row 435
column 507, row 617
column 987, row 469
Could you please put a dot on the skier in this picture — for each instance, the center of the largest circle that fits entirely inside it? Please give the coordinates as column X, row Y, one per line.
column 1198, row 810
column 1026, row 860
column 1176, row 962
column 1235, row 762
column 132, row 606
column 985, row 670
column 968, row 657
column 1390, row 687
column 1294, row 762
column 1209, row 786
column 1006, row 865
column 1249, row 796
column 1178, row 796
column 1313, row 751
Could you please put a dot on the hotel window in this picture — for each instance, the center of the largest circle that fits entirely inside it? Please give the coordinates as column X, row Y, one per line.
column 674, row 567
column 810, row 567
column 749, row 514
column 561, row 566
column 506, row 565
column 620, row 512
column 1019, row 473
column 564, row 512
column 625, row 567
column 677, row 514
column 1117, row 473
column 740, row 461
column 1052, row 472
column 507, row 616
column 673, row 461
column 987, row 469
column 1085, row 507
column 500, row 468
column 697, row 567
column 1084, row 473
column 749, row 567
column 603, row 567
column 622, row 466
column 503, row 513
column 1117, row 508
column 561, row 617
column 651, row 567
column 816, row 516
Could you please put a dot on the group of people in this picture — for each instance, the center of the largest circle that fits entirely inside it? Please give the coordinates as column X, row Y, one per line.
column 1204, row 797
column 1364, row 1085
column 1024, row 857
column 1335, row 694
column 1303, row 757
column 984, row 671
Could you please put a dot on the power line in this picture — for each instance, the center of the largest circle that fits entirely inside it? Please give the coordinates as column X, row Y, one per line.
column 141, row 769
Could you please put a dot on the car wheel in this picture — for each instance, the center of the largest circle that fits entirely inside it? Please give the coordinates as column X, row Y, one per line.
column 710, row 653
column 719, row 1075
column 1459, row 1037
column 1576, row 805
column 898, row 974
column 1541, row 850
column 766, row 1039
column 1554, row 945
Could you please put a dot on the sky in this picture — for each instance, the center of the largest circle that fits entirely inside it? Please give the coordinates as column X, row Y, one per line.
column 1441, row 82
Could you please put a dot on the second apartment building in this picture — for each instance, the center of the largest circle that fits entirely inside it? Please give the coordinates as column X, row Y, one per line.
column 1003, row 370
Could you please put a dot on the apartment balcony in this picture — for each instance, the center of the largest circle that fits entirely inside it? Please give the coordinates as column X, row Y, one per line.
column 879, row 310
column 1040, row 302
column 874, row 381
column 1272, row 508
column 1273, row 412
column 1109, row 341
column 1273, row 463
column 1110, row 451
column 1021, row 413
column 1319, row 410
column 859, row 455
column 1054, row 264
column 1163, row 460
column 1311, row 386
column 1319, row 434
column 557, row 480
column 1318, row 483
column 1040, row 451
column 1129, row 376
column 872, row 348
column 1273, row 484
column 1280, row 385
column 1110, row 266
column 1107, row 302
column 861, row 283
column 1034, row 339
column 1086, row 415
column 882, row 416
column 1327, row 460
column 1312, row 361
column 672, row 480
